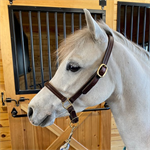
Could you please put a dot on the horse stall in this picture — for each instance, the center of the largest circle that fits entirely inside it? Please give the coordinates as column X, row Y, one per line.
column 30, row 34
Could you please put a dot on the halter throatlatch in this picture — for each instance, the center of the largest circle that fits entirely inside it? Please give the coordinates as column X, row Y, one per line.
column 101, row 72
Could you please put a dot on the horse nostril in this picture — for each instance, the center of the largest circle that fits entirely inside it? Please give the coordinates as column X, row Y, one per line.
column 30, row 112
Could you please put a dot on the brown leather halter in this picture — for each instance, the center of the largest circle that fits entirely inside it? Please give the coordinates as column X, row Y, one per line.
column 101, row 71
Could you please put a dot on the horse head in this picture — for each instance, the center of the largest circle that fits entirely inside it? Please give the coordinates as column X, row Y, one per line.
column 80, row 54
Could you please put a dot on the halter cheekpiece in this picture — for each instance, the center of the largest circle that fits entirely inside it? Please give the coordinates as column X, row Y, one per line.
column 101, row 72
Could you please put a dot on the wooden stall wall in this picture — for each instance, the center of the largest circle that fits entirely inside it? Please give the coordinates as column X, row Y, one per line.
column 5, row 140
column 94, row 129
column 116, row 141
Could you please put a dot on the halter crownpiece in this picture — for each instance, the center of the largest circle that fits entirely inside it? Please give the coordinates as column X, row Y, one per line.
column 101, row 72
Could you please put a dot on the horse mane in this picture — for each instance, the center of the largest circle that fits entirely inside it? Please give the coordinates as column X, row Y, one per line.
column 132, row 46
column 77, row 39
column 80, row 37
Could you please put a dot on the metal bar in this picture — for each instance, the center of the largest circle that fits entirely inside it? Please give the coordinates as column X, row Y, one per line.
column 80, row 21
column 103, row 17
column 125, row 20
column 55, row 9
column 14, row 114
column 15, row 55
column 118, row 16
column 56, row 39
column 32, row 49
column 64, row 24
column 72, row 22
column 149, row 37
column 95, row 16
column 40, row 45
column 23, row 50
column 144, row 27
column 138, row 23
column 19, row 116
column 9, row 100
column 131, row 33
column 48, row 45
column 96, row 109
column 2, row 94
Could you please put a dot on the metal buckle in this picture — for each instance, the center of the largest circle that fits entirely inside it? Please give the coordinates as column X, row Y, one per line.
column 102, row 65
column 66, row 104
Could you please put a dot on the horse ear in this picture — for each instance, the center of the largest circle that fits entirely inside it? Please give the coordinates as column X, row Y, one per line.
column 93, row 27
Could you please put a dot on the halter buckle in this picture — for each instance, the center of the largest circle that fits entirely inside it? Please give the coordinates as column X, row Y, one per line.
column 66, row 104
column 100, row 67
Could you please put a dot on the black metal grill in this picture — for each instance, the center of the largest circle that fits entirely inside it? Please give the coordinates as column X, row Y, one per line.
column 133, row 21
column 35, row 35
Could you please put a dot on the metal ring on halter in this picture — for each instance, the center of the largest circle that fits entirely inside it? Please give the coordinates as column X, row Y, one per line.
column 74, row 125
column 67, row 101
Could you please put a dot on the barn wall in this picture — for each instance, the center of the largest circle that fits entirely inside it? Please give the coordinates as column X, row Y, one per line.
column 2, row 88
column 5, row 140
column 116, row 141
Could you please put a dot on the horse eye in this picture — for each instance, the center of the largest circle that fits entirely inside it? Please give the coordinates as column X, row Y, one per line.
column 73, row 67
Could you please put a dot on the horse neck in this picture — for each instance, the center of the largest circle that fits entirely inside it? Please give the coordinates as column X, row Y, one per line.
column 130, row 101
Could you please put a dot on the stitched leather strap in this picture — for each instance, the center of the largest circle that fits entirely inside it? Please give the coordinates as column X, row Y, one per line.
column 73, row 115
column 88, row 85
column 94, row 79
column 55, row 91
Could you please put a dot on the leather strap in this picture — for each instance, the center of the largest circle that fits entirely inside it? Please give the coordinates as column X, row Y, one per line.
column 88, row 85
column 94, row 79
column 55, row 91
column 73, row 115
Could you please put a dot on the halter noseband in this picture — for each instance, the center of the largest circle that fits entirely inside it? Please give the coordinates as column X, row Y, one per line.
column 101, row 71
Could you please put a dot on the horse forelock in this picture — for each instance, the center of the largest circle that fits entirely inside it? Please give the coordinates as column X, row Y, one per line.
column 73, row 41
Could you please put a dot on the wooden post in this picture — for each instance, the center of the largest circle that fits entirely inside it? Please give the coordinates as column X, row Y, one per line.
column 105, row 130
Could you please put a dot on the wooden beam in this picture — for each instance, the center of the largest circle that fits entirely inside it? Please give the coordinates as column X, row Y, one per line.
column 57, row 143
column 105, row 129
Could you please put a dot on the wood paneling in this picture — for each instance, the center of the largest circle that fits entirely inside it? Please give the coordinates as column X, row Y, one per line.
column 5, row 140
column 116, row 141
column 4, row 123
column 105, row 125
column 4, row 134
column 5, row 145
column 2, row 88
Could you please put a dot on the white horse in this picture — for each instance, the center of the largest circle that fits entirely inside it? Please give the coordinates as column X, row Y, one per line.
column 126, row 86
